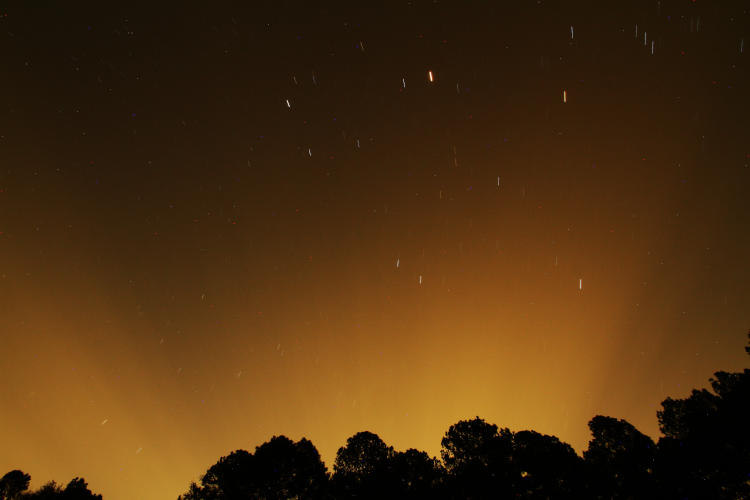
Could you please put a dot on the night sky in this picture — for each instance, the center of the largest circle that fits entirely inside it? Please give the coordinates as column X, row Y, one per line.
column 220, row 223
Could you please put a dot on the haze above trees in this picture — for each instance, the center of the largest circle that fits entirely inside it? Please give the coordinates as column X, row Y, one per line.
column 704, row 453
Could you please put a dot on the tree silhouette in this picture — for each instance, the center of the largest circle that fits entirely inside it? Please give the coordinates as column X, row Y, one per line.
column 285, row 469
column 364, row 453
column 280, row 468
column 705, row 451
column 13, row 484
column 413, row 474
column 704, row 454
column 78, row 489
column 545, row 467
column 620, row 460
column 368, row 468
column 194, row 492
column 50, row 491
column 484, row 462
column 229, row 478
column 361, row 468
column 477, row 459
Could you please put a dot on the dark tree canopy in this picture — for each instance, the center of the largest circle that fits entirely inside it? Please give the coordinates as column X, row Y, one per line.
column 230, row 477
column 361, row 468
column 368, row 468
column 705, row 450
column 280, row 468
column 704, row 453
column 78, row 489
column 50, row 491
column 545, row 467
column 620, row 459
column 414, row 474
column 196, row 492
column 363, row 454
column 13, row 484
column 614, row 441
column 477, row 458
column 475, row 443
column 285, row 469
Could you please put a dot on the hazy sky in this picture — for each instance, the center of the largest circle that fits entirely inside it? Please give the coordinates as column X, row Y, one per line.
column 316, row 218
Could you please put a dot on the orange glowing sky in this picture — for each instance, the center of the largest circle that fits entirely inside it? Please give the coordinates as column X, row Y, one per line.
column 180, row 277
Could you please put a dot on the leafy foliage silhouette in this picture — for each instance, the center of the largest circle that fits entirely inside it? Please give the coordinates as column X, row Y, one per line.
column 620, row 459
column 545, row 467
column 368, row 468
column 477, row 457
column 279, row 469
column 704, row 453
column 14, row 486
column 361, row 468
column 414, row 474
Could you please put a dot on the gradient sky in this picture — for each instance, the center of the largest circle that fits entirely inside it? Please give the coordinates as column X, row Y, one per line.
column 221, row 224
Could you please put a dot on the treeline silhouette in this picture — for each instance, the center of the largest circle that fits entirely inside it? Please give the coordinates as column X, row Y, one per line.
column 704, row 453
column 14, row 484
